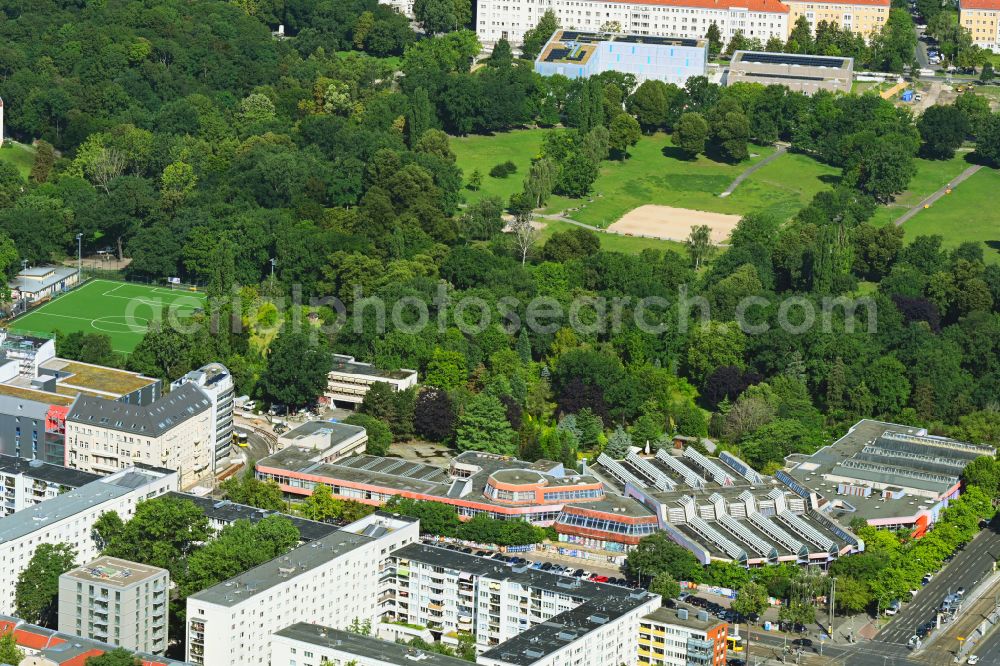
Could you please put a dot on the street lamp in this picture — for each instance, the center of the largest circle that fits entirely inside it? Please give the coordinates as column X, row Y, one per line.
column 273, row 262
column 79, row 258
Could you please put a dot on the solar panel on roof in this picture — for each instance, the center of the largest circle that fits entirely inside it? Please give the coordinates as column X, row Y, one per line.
column 792, row 59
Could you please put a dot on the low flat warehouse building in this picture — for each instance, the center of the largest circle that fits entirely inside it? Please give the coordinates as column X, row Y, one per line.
column 799, row 73
column 892, row 476
column 579, row 55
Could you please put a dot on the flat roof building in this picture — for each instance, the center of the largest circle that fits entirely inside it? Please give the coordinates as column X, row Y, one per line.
column 585, row 54
column 37, row 389
column 25, row 483
column 542, row 492
column 333, row 581
column 327, row 645
column 799, row 73
column 118, row 602
column 349, row 380
column 331, row 441
column 69, row 517
column 681, row 636
column 216, row 382
column 892, row 476
column 224, row 512
column 517, row 615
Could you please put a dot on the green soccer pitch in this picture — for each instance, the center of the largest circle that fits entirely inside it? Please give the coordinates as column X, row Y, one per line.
column 121, row 310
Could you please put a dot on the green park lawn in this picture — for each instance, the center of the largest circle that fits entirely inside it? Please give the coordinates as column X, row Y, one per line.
column 654, row 173
column 20, row 155
column 967, row 214
column 931, row 175
column 484, row 152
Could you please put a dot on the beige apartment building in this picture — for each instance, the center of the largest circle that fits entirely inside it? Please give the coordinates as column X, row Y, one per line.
column 979, row 17
column 862, row 16
column 104, row 436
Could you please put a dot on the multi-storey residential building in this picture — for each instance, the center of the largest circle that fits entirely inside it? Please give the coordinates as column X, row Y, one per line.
column 510, row 19
column 333, row 581
column 47, row 647
column 37, row 389
column 682, row 636
column 303, row 644
column 176, row 432
column 118, row 602
column 217, row 383
column 68, row 518
column 25, row 483
column 349, row 380
column 585, row 54
column 865, row 17
column 512, row 612
column 980, row 18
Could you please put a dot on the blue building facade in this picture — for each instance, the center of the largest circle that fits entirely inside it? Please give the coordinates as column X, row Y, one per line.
column 580, row 55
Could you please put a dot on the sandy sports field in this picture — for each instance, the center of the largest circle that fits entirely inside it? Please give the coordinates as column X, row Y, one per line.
column 672, row 223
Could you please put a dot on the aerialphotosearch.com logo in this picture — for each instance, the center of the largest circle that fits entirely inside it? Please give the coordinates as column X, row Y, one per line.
column 585, row 315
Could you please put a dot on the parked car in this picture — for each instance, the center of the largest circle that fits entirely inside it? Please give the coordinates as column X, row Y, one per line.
column 973, row 659
column 600, row 579
column 578, row 573
column 960, row 591
column 802, row 642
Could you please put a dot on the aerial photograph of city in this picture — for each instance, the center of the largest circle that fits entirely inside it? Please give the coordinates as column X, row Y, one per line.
column 499, row 332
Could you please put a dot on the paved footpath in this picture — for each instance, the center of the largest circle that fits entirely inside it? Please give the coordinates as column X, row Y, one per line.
column 778, row 152
column 937, row 195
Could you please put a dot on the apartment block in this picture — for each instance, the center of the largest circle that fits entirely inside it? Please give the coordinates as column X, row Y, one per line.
column 118, row 602
column 680, row 637
column 331, row 581
column 304, row 644
column 25, row 483
column 865, row 17
column 69, row 518
column 517, row 615
column 979, row 17
column 217, row 383
column 349, row 380
column 37, row 389
column 176, row 432
column 510, row 19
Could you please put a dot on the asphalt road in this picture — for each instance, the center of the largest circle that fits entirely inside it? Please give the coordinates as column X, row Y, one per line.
column 257, row 445
column 968, row 568
column 989, row 650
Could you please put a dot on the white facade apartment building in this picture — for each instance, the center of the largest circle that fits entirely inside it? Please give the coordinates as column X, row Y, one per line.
column 511, row 611
column 216, row 382
column 25, row 483
column 331, row 581
column 116, row 601
column 510, row 19
column 304, row 644
column 68, row 518
column 176, row 432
